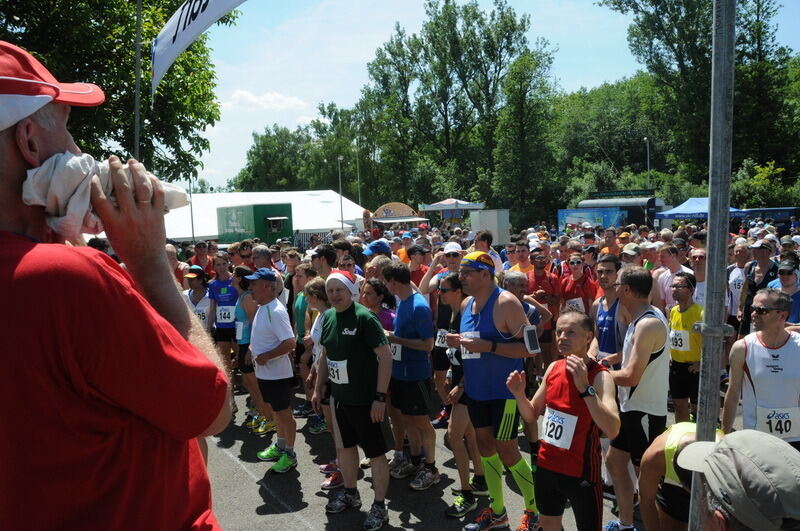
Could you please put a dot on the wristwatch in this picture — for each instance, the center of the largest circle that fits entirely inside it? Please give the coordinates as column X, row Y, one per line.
column 589, row 392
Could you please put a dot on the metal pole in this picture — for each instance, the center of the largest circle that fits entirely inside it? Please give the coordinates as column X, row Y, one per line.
column 719, row 190
column 358, row 174
column 138, row 80
column 341, row 201
column 191, row 207
column 647, row 143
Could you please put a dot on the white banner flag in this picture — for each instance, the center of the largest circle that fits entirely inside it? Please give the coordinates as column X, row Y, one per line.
column 189, row 21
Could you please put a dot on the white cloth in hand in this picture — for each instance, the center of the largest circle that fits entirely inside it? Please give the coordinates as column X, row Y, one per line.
column 62, row 186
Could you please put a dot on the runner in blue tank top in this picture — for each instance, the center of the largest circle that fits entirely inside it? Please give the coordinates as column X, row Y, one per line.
column 608, row 314
column 492, row 324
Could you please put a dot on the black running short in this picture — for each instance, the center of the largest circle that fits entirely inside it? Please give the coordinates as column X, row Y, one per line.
column 243, row 367
column 682, row 383
column 411, row 398
column 502, row 415
column 553, row 490
column 439, row 358
column 674, row 501
column 636, row 432
column 277, row 393
column 224, row 334
column 352, row 425
column 299, row 350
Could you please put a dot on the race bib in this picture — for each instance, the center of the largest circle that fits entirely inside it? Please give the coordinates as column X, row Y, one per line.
column 337, row 371
column 440, row 338
column 397, row 350
column 783, row 422
column 467, row 354
column 575, row 305
column 451, row 355
column 225, row 314
column 239, row 330
column 201, row 316
column 559, row 428
column 679, row 340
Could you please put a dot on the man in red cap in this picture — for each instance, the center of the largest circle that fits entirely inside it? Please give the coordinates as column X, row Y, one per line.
column 120, row 449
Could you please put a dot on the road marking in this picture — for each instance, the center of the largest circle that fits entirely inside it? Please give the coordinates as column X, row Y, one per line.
column 294, row 513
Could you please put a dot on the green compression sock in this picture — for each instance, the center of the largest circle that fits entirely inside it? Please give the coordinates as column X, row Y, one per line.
column 521, row 472
column 493, row 470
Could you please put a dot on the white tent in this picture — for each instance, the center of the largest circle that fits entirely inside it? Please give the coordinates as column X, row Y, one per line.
column 312, row 211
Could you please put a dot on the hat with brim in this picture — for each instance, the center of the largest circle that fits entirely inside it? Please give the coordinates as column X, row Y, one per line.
column 754, row 475
column 26, row 86
column 194, row 272
column 262, row 273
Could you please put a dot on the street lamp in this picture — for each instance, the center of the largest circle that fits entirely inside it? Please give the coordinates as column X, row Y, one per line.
column 358, row 174
column 341, row 203
column 647, row 143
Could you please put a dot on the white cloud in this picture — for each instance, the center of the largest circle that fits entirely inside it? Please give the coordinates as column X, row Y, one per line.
column 244, row 100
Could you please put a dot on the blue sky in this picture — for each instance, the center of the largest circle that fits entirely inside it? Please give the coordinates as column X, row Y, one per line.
column 284, row 58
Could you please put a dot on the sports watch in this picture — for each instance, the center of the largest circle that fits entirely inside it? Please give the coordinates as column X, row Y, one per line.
column 589, row 392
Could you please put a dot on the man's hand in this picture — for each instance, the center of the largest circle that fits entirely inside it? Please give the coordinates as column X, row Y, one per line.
column 474, row 344
column 438, row 258
column 454, row 395
column 135, row 226
column 316, row 401
column 516, row 384
column 311, row 379
column 261, row 360
column 540, row 295
column 694, row 368
column 577, row 368
column 378, row 411
column 453, row 340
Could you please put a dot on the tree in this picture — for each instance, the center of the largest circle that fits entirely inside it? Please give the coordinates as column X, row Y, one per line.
column 93, row 41
column 524, row 161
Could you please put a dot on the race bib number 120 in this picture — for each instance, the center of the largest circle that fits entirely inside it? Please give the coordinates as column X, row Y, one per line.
column 559, row 428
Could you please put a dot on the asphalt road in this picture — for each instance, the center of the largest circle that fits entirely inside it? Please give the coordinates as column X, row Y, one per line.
column 246, row 496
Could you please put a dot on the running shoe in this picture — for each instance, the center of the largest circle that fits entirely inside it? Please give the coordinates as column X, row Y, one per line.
column 397, row 460
column 284, row 464
column 440, row 422
column 463, row 503
column 334, row 481
column 266, row 427
column 488, row 520
column 376, row 518
column 329, row 468
column 302, row 411
column 404, row 470
column 271, row 453
column 252, row 422
column 341, row 501
column 529, row 522
column 478, row 485
column 616, row 525
column 317, row 425
column 424, row 479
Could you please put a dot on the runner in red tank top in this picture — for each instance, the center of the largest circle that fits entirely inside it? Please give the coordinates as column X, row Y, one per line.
column 577, row 399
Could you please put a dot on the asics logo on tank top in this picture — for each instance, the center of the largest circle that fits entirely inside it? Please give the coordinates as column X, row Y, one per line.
column 348, row 332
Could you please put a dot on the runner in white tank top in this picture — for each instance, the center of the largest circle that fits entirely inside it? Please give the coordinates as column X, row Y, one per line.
column 650, row 394
column 765, row 372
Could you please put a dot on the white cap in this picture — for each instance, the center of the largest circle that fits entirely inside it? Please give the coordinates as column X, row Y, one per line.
column 452, row 247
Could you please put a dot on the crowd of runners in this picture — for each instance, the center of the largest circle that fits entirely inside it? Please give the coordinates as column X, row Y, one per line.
column 392, row 335
column 588, row 336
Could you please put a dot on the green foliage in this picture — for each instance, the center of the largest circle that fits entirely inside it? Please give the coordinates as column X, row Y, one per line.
column 94, row 41
column 468, row 108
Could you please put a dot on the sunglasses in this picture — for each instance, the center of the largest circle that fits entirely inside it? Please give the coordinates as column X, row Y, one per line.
column 245, row 255
column 575, row 262
column 453, row 255
column 762, row 310
column 697, row 258
column 785, row 273
column 446, row 290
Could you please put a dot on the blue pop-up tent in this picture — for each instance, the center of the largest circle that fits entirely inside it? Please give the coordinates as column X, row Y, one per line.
column 695, row 208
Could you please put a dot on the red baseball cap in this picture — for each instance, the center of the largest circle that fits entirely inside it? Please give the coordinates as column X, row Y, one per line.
column 26, row 86
column 423, row 226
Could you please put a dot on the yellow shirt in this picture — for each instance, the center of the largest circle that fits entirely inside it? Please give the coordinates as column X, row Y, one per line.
column 526, row 270
column 685, row 345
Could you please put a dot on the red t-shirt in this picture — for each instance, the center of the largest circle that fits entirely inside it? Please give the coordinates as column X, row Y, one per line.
column 551, row 285
column 96, row 433
column 579, row 293
column 578, row 456
column 209, row 268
